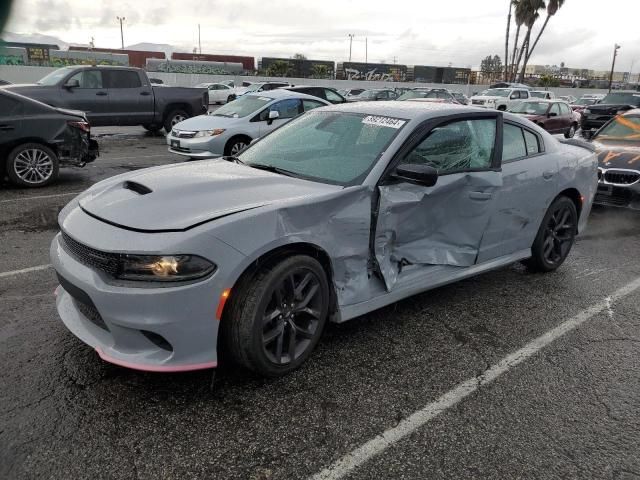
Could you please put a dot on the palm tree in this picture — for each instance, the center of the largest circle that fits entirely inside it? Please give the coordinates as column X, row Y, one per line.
column 506, row 42
column 531, row 14
column 552, row 9
column 520, row 8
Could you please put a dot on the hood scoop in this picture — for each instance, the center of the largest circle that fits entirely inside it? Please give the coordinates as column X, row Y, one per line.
column 136, row 187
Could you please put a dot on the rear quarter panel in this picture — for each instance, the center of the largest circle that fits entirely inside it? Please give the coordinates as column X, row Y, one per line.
column 167, row 98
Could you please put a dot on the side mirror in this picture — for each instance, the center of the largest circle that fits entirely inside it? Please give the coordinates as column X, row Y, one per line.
column 73, row 83
column 273, row 115
column 416, row 173
column 552, row 114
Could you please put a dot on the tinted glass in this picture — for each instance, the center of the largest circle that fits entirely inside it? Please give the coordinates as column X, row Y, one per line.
column 513, row 145
column 54, row 77
column 462, row 145
column 531, row 140
column 332, row 96
column 565, row 109
column 331, row 147
column 88, row 79
column 555, row 108
column 121, row 79
column 286, row 108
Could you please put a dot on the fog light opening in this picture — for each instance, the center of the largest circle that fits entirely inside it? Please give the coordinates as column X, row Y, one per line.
column 157, row 340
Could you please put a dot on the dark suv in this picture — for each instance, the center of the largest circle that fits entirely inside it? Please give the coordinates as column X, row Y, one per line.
column 595, row 116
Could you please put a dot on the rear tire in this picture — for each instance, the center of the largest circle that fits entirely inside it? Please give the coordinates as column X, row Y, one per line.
column 276, row 317
column 502, row 108
column 174, row 117
column 153, row 128
column 555, row 237
column 32, row 165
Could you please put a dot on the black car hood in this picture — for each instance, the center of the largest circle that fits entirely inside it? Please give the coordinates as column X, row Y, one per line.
column 610, row 109
column 174, row 198
column 613, row 154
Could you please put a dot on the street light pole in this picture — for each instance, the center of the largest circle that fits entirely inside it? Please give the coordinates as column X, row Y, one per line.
column 351, row 35
column 199, row 43
column 613, row 64
column 121, row 19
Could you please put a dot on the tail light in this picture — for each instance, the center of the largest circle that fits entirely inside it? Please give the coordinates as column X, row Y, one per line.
column 84, row 126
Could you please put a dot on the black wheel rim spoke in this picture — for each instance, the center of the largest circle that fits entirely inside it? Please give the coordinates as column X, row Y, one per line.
column 292, row 316
column 559, row 234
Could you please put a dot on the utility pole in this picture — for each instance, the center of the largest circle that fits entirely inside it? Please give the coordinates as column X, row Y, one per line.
column 121, row 19
column 613, row 64
column 351, row 35
column 199, row 43
column 366, row 50
column 395, row 59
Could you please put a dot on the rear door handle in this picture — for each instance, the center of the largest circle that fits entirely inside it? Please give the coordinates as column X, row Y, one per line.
column 145, row 93
column 101, row 94
column 548, row 174
column 7, row 127
column 479, row 195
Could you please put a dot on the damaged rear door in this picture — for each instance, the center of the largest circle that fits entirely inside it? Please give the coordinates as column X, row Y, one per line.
column 441, row 224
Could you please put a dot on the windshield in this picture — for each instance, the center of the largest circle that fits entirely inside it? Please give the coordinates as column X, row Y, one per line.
column 54, row 77
column 413, row 94
column 538, row 94
column 496, row 92
column 368, row 94
column 621, row 128
column 530, row 108
column 253, row 87
column 331, row 147
column 585, row 101
column 243, row 106
column 202, row 85
column 622, row 98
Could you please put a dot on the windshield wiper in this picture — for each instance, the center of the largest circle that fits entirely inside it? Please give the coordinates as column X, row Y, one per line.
column 273, row 168
column 232, row 158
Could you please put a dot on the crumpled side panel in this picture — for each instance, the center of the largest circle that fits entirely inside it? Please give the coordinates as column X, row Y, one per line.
column 438, row 225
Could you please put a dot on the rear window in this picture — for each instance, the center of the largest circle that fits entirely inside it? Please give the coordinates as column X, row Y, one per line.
column 121, row 79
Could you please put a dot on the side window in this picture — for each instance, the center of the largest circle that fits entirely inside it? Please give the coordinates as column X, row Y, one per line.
column 513, row 145
column 565, row 110
column 332, row 96
column 311, row 104
column 555, row 108
column 9, row 106
column 457, row 146
column 286, row 108
column 514, row 95
column 122, row 79
column 88, row 79
column 531, row 140
column 213, row 87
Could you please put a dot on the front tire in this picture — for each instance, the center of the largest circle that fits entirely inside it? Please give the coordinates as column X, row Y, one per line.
column 231, row 98
column 276, row 318
column 571, row 132
column 236, row 145
column 32, row 165
column 174, row 117
column 555, row 237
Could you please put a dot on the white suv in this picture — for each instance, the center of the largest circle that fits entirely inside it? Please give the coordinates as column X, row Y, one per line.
column 500, row 98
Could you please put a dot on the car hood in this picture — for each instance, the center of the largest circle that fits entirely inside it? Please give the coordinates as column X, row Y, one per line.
column 74, row 113
column 207, row 122
column 485, row 98
column 181, row 196
column 618, row 154
column 609, row 109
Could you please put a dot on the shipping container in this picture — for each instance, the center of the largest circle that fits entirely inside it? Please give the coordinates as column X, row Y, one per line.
column 371, row 71
column 248, row 63
column 137, row 58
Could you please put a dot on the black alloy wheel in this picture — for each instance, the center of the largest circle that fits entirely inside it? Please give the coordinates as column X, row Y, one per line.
column 555, row 237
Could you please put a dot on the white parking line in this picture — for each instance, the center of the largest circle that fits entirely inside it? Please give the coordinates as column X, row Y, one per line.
column 342, row 467
column 25, row 270
column 19, row 199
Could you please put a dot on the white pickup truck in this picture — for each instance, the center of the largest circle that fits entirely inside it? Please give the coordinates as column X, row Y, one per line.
column 500, row 98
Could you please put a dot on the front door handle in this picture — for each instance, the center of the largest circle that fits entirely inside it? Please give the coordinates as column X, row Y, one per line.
column 479, row 195
column 547, row 174
column 101, row 94
column 145, row 93
column 7, row 127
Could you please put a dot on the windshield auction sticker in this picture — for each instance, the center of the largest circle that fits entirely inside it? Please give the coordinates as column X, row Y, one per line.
column 383, row 121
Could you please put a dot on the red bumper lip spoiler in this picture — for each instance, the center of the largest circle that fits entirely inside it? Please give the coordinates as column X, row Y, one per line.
column 155, row 368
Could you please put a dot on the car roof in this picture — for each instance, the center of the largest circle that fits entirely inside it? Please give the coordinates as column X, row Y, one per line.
column 405, row 110
column 280, row 93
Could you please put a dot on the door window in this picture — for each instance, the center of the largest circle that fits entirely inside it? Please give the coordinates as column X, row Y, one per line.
column 332, row 96
column 88, row 79
column 457, row 146
column 565, row 110
column 532, row 142
column 513, row 145
column 286, row 108
column 311, row 104
column 555, row 108
column 122, row 79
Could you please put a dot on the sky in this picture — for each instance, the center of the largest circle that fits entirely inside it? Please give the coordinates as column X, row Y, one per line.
column 412, row 32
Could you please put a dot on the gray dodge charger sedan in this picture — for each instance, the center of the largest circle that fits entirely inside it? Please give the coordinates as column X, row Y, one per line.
column 344, row 210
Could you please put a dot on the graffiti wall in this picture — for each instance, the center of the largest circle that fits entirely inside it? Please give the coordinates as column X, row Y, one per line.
column 43, row 57
column 13, row 56
column 296, row 68
column 371, row 71
column 187, row 66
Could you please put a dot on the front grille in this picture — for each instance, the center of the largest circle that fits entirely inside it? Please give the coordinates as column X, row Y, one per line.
column 478, row 102
column 104, row 261
column 621, row 177
column 183, row 133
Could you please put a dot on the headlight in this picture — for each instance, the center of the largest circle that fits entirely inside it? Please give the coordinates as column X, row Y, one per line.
column 167, row 268
column 587, row 111
column 209, row 133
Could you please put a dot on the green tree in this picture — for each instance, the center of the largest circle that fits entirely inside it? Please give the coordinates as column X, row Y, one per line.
column 319, row 71
column 530, row 14
column 279, row 68
column 299, row 56
column 506, row 41
column 552, row 9
column 548, row 81
column 491, row 66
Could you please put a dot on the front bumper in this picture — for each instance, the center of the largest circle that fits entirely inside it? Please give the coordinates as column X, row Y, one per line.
column 202, row 147
column 161, row 329
column 618, row 196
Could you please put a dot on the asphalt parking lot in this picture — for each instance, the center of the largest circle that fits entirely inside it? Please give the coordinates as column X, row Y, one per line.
column 434, row 372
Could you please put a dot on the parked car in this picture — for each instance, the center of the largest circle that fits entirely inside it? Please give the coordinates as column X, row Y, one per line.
column 4, row 82
column 220, row 93
column 595, row 116
column 231, row 128
column 436, row 95
column 500, row 98
column 338, row 213
column 418, row 92
column 570, row 99
column 582, row 103
column 553, row 116
column 116, row 96
column 36, row 140
column 264, row 87
column 543, row 94
column 461, row 98
column 374, row 95
column 325, row 93
column 510, row 85
column 618, row 147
